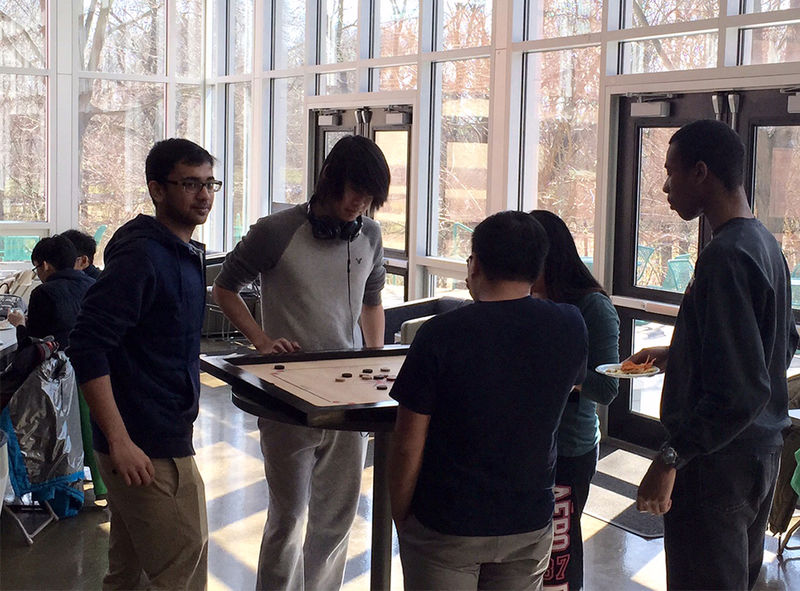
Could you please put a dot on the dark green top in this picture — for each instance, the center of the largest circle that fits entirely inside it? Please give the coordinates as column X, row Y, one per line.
column 579, row 432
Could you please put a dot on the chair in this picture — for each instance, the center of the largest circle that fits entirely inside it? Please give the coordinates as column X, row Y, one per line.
column 18, row 248
column 643, row 254
column 785, row 497
column 98, row 234
column 45, row 450
column 589, row 262
column 413, row 314
column 679, row 273
column 795, row 283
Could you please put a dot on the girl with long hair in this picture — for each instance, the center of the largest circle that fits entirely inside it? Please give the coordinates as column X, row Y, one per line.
column 566, row 279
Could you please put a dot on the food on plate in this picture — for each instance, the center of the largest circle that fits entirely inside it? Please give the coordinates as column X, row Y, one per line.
column 630, row 367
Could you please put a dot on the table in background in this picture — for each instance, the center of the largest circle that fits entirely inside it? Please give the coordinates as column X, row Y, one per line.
column 301, row 393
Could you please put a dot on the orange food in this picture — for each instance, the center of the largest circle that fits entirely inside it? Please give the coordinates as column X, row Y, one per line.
column 629, row 366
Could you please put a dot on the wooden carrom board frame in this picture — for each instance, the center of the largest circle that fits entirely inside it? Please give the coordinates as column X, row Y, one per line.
column 265, row 396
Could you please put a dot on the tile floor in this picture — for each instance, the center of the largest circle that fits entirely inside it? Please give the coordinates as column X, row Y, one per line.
column 71, row 554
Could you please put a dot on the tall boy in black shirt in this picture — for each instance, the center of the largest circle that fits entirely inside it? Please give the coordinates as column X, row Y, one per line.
column 724, row 403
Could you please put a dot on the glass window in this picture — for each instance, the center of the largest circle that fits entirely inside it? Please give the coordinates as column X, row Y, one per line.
column 560, row 138
column 241, row 31
column 394, row 292
column 392, row 216
column 767, row 5
column 770, row 45
column 669, row 54
column 776, row 192
column 460, row 151
column 339, row 31
column 560, row 18
column 332, row 138
column 189, row 112
column 118, row 123
column 449, row 286
column 343, row 82
column 666, row 245
column 643, row 13
column 289, row 34
column 189, row 38
column 241, row 116
column 397, row 27
column 16, row 248
column 464, row 23
column 288, row 140
column 394, row 78
column 124, row 37
column 23, row 151
column 646, row 392
column 23, row 34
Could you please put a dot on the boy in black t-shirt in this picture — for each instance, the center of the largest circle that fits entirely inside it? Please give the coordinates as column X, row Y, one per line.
column 481, row 393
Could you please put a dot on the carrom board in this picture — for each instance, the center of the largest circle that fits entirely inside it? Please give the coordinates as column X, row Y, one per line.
column 315, row 381
column 303, row 388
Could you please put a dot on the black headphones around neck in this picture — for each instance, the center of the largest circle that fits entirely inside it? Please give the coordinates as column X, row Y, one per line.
column 327, row 228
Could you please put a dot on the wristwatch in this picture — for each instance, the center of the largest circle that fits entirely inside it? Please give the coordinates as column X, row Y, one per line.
column 668, row 455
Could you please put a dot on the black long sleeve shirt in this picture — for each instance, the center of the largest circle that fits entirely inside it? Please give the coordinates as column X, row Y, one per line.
column 734, row 337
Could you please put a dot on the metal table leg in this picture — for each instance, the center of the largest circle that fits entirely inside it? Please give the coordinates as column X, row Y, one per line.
column 381, row 562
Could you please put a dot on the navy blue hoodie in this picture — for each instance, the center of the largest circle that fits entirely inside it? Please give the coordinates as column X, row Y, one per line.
column 140, row 324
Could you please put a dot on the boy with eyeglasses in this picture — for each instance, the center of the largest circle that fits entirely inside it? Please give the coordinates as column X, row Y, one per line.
column 135, row 351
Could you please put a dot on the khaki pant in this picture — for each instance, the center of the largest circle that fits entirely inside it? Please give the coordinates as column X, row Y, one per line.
column 438, row 561
column 160, row 530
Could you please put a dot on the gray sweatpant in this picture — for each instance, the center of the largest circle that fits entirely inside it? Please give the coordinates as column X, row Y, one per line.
column 435, row 561
column 313, row 472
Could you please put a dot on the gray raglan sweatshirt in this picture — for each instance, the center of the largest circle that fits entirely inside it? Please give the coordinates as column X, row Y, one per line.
column 312, row 290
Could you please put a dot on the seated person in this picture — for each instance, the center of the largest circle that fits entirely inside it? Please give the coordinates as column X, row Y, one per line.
column 54, row 305
column 86, row 247
column 481, row 393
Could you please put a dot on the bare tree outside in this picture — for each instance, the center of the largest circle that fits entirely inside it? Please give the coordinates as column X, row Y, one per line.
column 120, row 120
column 23, row 115
column 288, row 141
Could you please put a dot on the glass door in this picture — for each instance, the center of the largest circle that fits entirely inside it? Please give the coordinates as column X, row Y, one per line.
column 390, row 128
column 655, row 251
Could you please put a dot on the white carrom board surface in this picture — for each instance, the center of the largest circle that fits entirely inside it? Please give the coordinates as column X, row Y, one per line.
column 315, row 381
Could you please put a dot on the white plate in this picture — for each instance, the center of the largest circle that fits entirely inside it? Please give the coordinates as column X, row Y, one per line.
column 5, row 325
column 613, row 370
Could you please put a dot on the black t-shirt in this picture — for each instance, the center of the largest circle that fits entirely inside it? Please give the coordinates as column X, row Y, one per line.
column 494, row 377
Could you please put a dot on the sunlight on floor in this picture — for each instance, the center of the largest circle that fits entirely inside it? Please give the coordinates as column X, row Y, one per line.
column 652, row 575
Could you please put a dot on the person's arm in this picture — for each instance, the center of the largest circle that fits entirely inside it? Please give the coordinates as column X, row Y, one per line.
column 659, row 355
column 727, row 294
column 112, row 307
column 256, row 253
column 405, row 460
column 41, row 314
column 373, row 324
column 16, row 317
column 733, row 381
column 128, row 459
column 234, row 308
column 602, row 326
column 655, row 490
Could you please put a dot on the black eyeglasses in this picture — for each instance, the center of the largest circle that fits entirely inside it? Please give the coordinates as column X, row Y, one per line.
column 35, row 268
column 194, row 187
